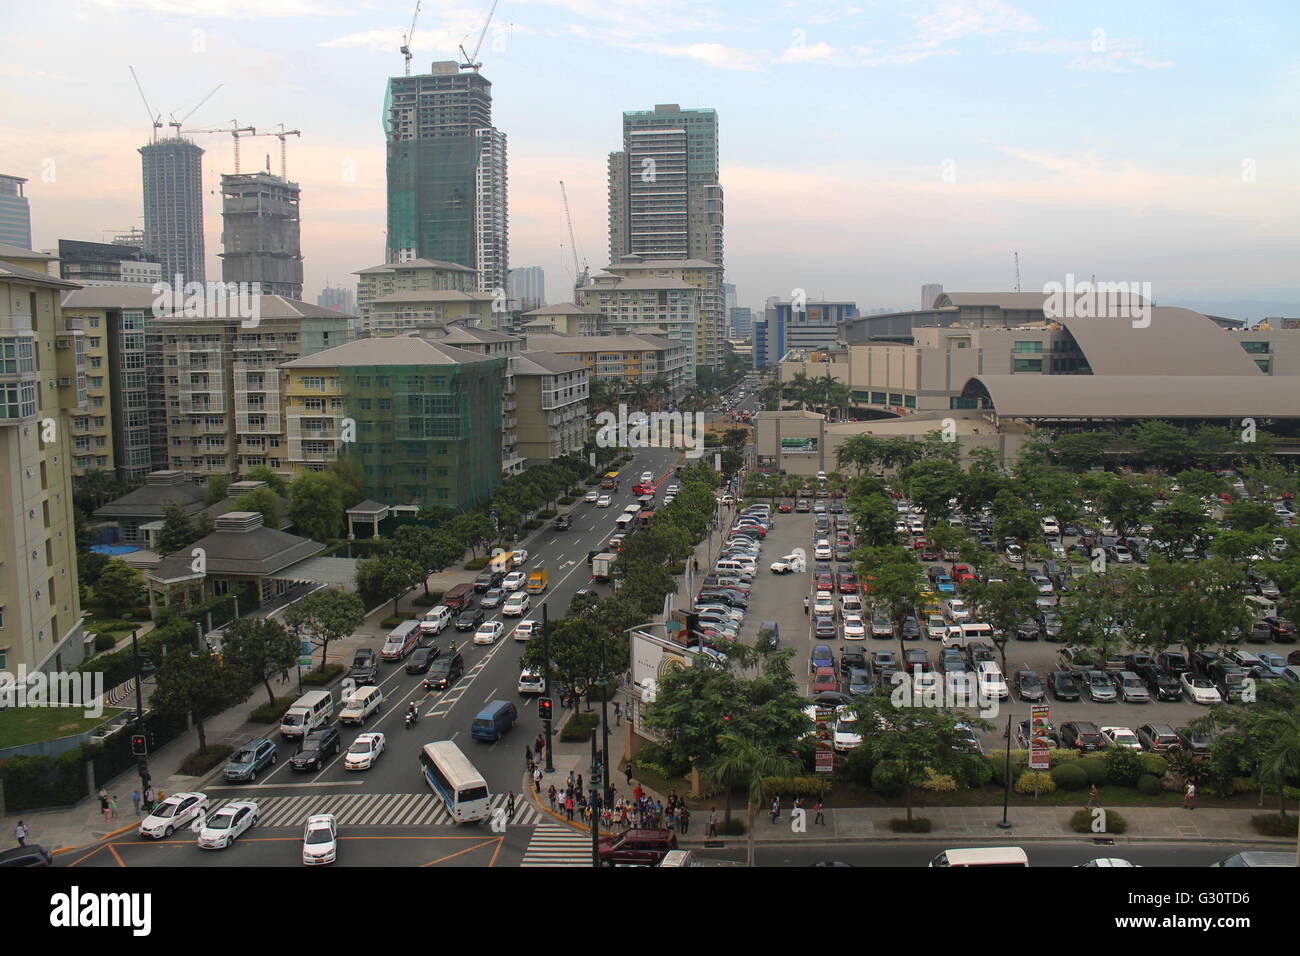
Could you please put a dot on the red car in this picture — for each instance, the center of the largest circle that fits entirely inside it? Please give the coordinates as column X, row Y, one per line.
column 930, row 555
column 785, row 506
column 962, row 573
column 824, row 582
column 848, row 583
column 639, row 489
column 920, row 544
column 825, row 680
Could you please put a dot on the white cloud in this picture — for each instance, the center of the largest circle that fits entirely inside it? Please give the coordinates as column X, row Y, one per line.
column 716, row 55
column 800, row 53
column 232, row 9
column 954, row 19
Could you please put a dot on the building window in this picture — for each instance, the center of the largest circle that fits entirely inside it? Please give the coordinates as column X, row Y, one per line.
column 1265, row 365
column 1256, row 348
column 1027, row 365
column 877, row 398
column 1027, row 347
column 909, row 401
column 895, row 398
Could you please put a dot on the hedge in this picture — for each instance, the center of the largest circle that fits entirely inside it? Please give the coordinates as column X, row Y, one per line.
column 270, row 713
column 1095, row 768
column 1035, row 781
column 197, row 764
column 322, row 675
column 1069, row 776
column 1270, row 824
column 1149, row 784
column 41, row 782
column 914, row 825
column 567, row 500
column 432, row 599
column 1081, row 822
column 1124, row 766
column 476, row 564
column 105, row 642
column 580, row 727
column 797, row 786
column 547, row 513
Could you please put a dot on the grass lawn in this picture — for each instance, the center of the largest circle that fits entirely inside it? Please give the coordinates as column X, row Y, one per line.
column 26, row 725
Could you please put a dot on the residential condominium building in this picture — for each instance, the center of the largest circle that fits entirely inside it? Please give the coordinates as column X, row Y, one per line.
column 125, row 426
column 106, row 263
column 42, row 384
column 427, row 417
column 552, row 394
column 447, row 182
column 664, row 306
column 260, row 234
column 565, row 319
column 416, row 275
column 173, row 207
column 401, row 312
column 15, row 213
column 624, row 360
column 224, row 389
column 494, row 345
column 711, row 326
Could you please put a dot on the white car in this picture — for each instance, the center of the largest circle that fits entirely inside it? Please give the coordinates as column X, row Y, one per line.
column 727, row 499
column 846, row 736
column 365, row 750
column 854, row 629
column 1121, row 737
column 178, row 810
column 993, row 686
column 518, row 557
column 604, row 501
column 824, row 605
column 633, row 510
column 789, row 564
column 320, row 839
column 516, row 605
column 1199, row 690
column 514, row 581
column 957, row 610
column 591, row 497
column 227, row 824
column 524, row 629
column 672, row 489
column 851, row 603
column 1050, row 526
column 531, row 682
column 488, row 632
column 647, row 477
column 822, row 551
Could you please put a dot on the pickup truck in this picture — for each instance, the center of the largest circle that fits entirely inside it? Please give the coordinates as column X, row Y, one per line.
column 537, row 580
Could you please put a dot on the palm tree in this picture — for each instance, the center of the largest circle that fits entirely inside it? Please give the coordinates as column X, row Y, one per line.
column 1280, row 762
column 743, row 763
column 658, row 389
column 800, row 385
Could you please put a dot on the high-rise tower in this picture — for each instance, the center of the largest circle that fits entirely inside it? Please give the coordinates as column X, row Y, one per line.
column 173, row 207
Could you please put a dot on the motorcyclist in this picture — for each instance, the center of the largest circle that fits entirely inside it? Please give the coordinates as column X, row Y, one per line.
column 413, row 714
column 453, row 645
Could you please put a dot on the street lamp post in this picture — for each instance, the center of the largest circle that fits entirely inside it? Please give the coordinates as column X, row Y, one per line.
column 1004, row 823
column 546, row 685
column 143, row 763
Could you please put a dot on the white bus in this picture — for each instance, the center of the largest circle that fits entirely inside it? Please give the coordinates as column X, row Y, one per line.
column 457, row 781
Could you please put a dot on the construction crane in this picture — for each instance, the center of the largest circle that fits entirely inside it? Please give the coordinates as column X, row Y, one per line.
column 234, row 130
column 408, row 39
column 154, row 118
column 471, row 63
column 176, row 124
column 282, row 134
column 1017, row 271
column 579, row 273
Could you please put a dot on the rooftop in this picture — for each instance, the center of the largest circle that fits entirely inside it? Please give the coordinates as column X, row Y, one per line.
column 564, row 308
column 415, row 264
column 1139, row 396
column 599, row 343
column 389, row 350
column 545, row 363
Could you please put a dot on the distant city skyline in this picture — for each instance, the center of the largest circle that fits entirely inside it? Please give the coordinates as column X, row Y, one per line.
column 896, row 145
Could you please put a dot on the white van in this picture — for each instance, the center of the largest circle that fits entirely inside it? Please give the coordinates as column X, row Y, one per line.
column 982, row 856
column 401, row 641
column 737, row 567
column 363, row 702
column 309, row 712
column 1260, row 606
column 435, row 620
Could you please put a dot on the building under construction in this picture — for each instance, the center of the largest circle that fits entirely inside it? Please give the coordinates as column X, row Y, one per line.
column 260, row 233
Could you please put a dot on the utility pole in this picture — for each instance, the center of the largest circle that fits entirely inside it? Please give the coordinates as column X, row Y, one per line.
column 143, row 763
column 593, row 801
column 1004, row 823
column 546, row 685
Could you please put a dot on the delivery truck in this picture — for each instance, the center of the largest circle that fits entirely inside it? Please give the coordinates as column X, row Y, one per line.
column 537, row 580
column 602, row 566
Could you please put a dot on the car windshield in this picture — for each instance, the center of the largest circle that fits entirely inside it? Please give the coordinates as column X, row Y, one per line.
column 244, row 756
column 360, row 747
column 167, row 809
column 318, row 835
column 221, row 821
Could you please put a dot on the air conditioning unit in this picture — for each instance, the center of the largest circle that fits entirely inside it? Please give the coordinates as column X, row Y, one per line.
column 64, row 382
column 65, row 343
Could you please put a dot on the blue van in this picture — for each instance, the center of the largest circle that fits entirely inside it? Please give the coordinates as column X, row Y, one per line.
column 494, row 720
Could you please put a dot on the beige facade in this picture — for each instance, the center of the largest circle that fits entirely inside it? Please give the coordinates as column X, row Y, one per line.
column 416, row 275
column 624, row 360
column 711, row 325
column 552, row 397
column 42, row 386
column 564, row 319
column 648, row 305
column 1275, row 350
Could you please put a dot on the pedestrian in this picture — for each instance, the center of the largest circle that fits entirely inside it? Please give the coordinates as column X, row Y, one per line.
column 683, row 820
column 628, row 771
column 580, row 783
column 21, row 833
column 624, row 822
column 541, row 746
column 113, row 805
column 148, row 798
column 1092, row 796
column 537, row 779
column 670, row 817
column 713, row 822
column 510, row 805
column 570, row 780
column 1189, row 795
column 135, row 801
column 695, row 565
column 817, row 808
column 659, row 814
column 618, row 714
column 568, row 804
column 638, row 793
column 528, row 757
column 805, row 604
column 550, row 795
column 776, row 808
column 105, row 807
column 606, row 818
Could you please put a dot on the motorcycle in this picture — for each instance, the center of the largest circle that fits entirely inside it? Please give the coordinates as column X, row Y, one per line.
column 411, row 718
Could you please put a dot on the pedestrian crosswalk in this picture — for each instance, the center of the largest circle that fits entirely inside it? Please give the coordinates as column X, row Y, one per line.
column 374, row 809
column 556, row 845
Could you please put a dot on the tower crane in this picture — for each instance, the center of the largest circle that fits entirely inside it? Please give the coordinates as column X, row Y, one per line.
column 176, row 124
column 154, row 118
column 234, row 130
column 470, row 62
column 407, row 40
column 282, row 134
column 579, row 273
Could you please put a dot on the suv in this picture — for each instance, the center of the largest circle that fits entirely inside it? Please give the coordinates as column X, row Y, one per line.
column 563, row 523
column 637, row 848
column 316, row 747
column 1158, row 738
column 1162, row 682
column 1083, row 735
column 444, row 672
column 364, row 666
column 487, row 579
column 253, row 757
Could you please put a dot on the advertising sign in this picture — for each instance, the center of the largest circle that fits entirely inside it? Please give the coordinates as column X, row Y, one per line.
column 1039, row 742
column 825, row 758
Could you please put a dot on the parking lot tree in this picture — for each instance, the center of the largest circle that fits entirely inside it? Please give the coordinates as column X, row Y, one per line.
column 1014, row 519
column 1094, row 611
column 911, row 739
column 1127, row 502
column 194, row 683
column 1255, row 739
column 1003, row 604
column 899, row 581
column 931, row 484
column 327, row 615
column 1080, row 451
column 1189, row 604
column 1160, row 445
column 1241, row 547
column 1201, row 483
column 859, row 451
column 875, row 516
column 981, row 487
column 1249, row 516
column 1180, row 524
column 1269, row 479
column 259, row 647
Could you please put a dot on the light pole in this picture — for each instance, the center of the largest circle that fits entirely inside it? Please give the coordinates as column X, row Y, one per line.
column 143, row 763
column 1004, row 823
column 546, row 684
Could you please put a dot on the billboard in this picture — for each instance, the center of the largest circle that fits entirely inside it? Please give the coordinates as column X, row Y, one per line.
column 798, row 446
column 1039, row 743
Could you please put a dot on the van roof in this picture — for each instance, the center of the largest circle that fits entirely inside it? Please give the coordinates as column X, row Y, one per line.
column 493, row 708
column 311, row 698
column 987, row 856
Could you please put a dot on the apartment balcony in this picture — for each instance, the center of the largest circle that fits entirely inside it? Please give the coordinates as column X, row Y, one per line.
column 313, row 456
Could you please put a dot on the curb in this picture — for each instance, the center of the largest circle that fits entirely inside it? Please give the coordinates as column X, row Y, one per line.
column 560, row 818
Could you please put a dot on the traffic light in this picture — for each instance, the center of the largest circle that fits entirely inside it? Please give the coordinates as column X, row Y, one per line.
column 139, row 745
column 544, row 708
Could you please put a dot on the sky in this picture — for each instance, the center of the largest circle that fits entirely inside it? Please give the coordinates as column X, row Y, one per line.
column 866, row 147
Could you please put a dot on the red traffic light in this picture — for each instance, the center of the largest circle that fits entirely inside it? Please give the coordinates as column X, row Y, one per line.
column 544, row 708
column 139, row 746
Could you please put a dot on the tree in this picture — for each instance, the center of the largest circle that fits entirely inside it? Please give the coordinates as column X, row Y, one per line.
column 119, row 588
column 1080, row 451
column 1249, row 516
column 90, row 564
column 326, row 615
column 263, row 473
column 470, row 529
column 346, row 470
column 262, row 500
column 1015, row 520
column 897, row 584
column 177, row 530
column 386, row 576
column 1180, row 524
column 316, row 505
column 1126, row 503
column 429, row 550
column 1003, row 604
column 742, row 762
column 931, row 484
column 195, row 683
column 875, row 517
column 1201, row 483
column 217, row 487
column 1279, row 765
column 259, row 647
column 577, row 646
column 1162, row 445
column 1188, row 604
column 908, row 739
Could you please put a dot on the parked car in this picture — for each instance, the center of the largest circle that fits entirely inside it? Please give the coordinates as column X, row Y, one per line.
column 1162, row 682
column 1063, row 686
column 1158, row 738
column 1199, row 690
column 1028, row 686
column 1121, row 737
column 1082, row 735
column 1131, row 689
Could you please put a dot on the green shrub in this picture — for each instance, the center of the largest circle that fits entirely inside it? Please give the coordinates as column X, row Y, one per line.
column 322, row 675
column 1081, row 822
column 1270, row 824
column 1070, row 776
column 1095, row 768
column 532, row 524
column 432, row 599
column 197, row 764
column 547, row 513
column 797, row 786
column 973, row 771
column 938, row 782
column 580, row 727
column 567, row 500
column 914, row 825
column 678, row 568
column 1124, row 766
column 476, row 564
column 1035, row 781
column 105, row 642
column 1149, row 785
column 886, row 779
column 593, row 480
column 270, row 713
